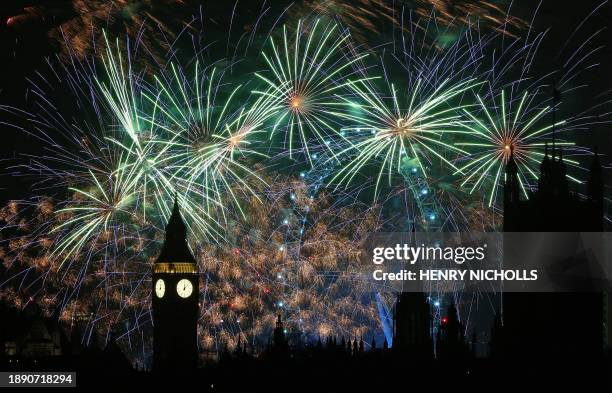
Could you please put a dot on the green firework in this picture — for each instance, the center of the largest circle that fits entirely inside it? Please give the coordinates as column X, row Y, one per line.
column 386, row 133
column 307, row 73
column 494, row 132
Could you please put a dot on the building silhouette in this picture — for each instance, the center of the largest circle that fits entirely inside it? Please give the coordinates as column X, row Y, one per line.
column 560, row 323
column 413, row 326
column 31, row 341
column 26, row 336
column 175, row 294
column 279, row 345
column 552, row 207
column 414, row 330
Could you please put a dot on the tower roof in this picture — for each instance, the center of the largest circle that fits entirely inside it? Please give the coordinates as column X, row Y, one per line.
column 175, row 247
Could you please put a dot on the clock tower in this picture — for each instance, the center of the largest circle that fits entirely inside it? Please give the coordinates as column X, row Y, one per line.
column 175, row 301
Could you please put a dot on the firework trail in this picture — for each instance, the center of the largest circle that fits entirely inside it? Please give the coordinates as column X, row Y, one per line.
column 368, row 19
column 79, row 24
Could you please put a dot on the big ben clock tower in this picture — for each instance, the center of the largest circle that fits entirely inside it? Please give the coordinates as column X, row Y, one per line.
column 175, row 300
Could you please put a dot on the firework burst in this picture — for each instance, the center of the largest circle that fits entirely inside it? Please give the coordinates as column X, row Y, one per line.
column 209, row 133
column 516, row 127
column 395, row 136
column 306, row 78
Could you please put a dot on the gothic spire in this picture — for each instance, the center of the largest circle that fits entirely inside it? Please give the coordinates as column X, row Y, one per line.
column 555, row 100
column 175, row 247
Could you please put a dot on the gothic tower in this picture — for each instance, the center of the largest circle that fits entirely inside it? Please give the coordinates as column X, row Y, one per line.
column 175, row 301
column 412, row 326
column 280, row 346
column 552, row 324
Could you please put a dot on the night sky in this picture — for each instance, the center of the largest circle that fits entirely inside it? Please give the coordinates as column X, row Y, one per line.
column 24, row 49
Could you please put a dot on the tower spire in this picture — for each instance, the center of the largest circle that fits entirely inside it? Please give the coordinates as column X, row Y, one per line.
column 511, row 191
column 555, row 100
column 175, row 247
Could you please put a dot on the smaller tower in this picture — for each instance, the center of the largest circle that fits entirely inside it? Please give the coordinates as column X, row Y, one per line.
column 511, row 185
column 413, row 325
column 280, row 346
column 562, row 185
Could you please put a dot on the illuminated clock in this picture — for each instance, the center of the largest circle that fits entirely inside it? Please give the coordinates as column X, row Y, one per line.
column 184, row 288
column 160, row 288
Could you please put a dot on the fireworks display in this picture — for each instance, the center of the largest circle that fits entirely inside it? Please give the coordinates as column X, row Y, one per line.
column 283, row 156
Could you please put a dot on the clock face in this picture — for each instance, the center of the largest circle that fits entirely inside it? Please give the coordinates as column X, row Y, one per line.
column 160, row 288
column 184, row 288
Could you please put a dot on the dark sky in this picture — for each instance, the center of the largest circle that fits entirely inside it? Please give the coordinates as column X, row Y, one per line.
column 563, row 20
column 22, row 51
